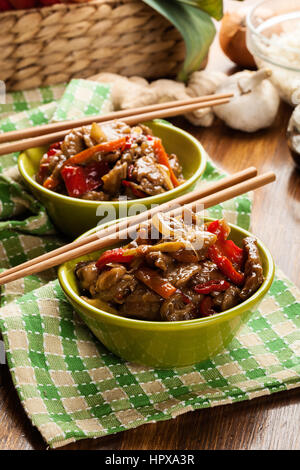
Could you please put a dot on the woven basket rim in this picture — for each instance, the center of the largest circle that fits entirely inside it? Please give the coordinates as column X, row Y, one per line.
column 59, row 6
column 50, row 45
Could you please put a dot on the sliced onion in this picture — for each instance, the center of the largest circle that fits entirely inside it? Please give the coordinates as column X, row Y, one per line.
column 232, row 39
column 97, row 133
column 166, row 247
column 175, row 228
column 166, row 173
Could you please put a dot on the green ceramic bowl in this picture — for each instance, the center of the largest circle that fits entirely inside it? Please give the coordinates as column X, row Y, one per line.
column 166, row 344
column 75, row 216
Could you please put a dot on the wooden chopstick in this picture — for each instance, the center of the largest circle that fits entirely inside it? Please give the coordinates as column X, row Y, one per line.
column 103, row 242
column 131, row 120
column 20, row 134
column 224, row 183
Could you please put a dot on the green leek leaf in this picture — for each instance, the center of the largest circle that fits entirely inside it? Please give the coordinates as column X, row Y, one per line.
column 213, row 7
column 195, row 26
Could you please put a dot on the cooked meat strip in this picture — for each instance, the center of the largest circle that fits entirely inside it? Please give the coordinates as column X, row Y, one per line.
column 109, row 157
column 190, row 256
column 148, row 175
column 110, row 276
column 208, row 271
column 191, row 295
column 159, row 260
column 143, row 304
column 56, row 171
column 231, row 298
column 73, row 143
column 113, row 179
column 117, row 293
column 86, row 134
column 227, row 299
column 145, row 129
column 175, row 165
column 182, row 273
column 95, row 196
column 87, row 273
column 115, row 284
column 175, row 309
column 51, row 163
column 145, row 235
column 254, row 276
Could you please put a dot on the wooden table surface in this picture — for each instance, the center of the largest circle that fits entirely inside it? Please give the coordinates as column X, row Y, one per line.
column 270, row 422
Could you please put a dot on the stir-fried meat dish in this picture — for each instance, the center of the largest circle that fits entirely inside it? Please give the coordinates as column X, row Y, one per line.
column 173, row 271
column 104, row 162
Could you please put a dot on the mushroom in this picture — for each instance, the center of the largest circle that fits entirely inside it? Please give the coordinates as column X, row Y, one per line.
column 255, row 102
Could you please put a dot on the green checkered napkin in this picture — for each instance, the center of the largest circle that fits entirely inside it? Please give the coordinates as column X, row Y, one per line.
column 83, row 98
column 18, row 101
column 72, row 387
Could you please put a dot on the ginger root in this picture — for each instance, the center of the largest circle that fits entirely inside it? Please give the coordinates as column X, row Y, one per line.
column 135, row 92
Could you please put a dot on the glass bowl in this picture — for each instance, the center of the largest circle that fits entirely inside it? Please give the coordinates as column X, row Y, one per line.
column 273, row 38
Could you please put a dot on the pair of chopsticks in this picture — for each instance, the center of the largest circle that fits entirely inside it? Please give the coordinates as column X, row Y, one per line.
column 49, row 133
column 216, row 193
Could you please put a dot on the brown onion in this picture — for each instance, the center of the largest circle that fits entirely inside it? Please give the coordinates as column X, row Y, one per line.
column 232, row 39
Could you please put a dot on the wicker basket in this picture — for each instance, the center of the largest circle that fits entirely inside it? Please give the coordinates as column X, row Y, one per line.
column 41, row 47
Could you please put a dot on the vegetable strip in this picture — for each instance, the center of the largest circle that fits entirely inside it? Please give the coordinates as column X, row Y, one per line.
column 81, row 179
column 104, row 147
column 155, row 282
column 225, row 265
column 163, row 159
column 206, row 307
column 227, row 247
column 115, row 255
column 133, row 187
column 212, row 286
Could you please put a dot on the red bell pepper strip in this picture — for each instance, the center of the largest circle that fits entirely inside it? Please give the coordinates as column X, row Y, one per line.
column 163, row 159
column 74, row 179
column 79, row 179
column 116, row 255
column 227, row 247
column 212, row 286
column 225, row 265
column 104, row 147
column 206, row 307
column 94, row 172
column 129, row 141
column 185, row 298
column 219, row 228
column 233, row 252
column 155, row 282
column 136, row 191
column 44, row 166
column 55, row 146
